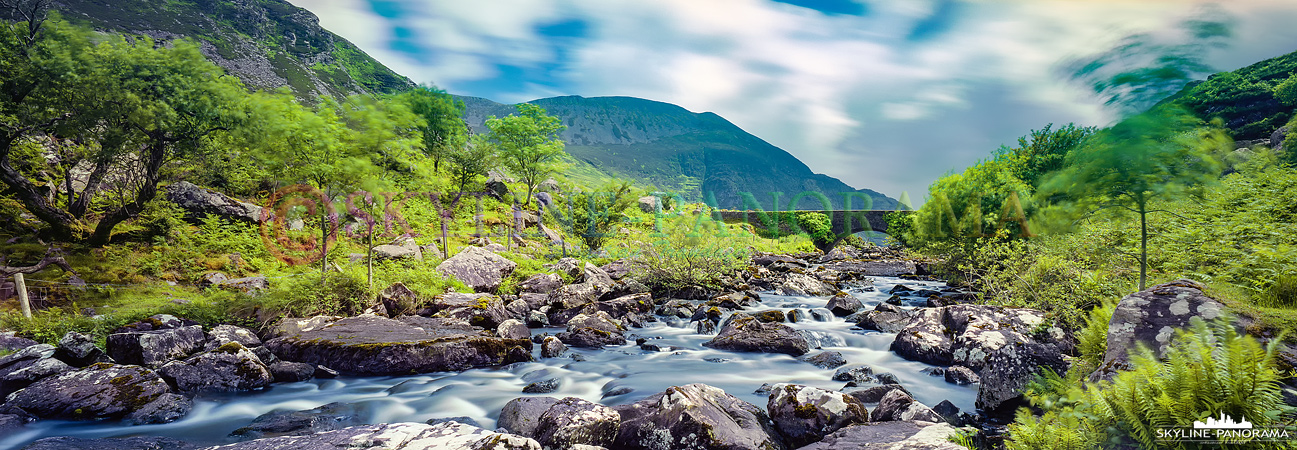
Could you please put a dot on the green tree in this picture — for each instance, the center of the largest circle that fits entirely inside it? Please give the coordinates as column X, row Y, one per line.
column 440, row 121
column 471, row 162
column 127, row 111
column 593, row 215
column 528, row 144
column 1158, row 155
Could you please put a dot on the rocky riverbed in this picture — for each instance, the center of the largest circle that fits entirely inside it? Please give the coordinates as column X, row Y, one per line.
column 814, row 352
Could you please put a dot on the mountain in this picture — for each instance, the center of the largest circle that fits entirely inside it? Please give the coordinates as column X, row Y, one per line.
column 1244, row 99
column 266, row 43
column 700, row 155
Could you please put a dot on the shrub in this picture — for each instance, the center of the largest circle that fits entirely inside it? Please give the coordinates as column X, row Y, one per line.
column 818, row 226
column 593, row 216
column 680, row 260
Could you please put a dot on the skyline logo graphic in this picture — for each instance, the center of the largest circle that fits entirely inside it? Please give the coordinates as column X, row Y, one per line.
column 1225, row 422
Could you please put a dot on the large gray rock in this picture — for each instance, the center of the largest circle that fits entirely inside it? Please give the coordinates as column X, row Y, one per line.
column 897, row 405
column 888, row 320
column 478, row 268
column 403, row 436
column 101, row 391
column 1151, row 317
column 804, row 414
column 403, row 247
column 398, row 300
column 968, row 334
column 228, row 368
column 293, row 325
column 573, row 421
column 225, row 334
column 804, row 285
column 513, row 329
column 695, row 417
column 332, row 416
column 24, row 367
column 291, row 372
column 483, row 309
column 572, row 296
column 372, row 345
column 79, row 350
column 552, row 347
column 747, row 334
column 875, row 394
column 8, row 341
column 890, row 436
column 198, row 203
column 876, row 268
column 541, row 283
column 1010, row 368
column 130, row 443
column 843, row 304
column 156, row 347
column 521, row 415
column 166, row 408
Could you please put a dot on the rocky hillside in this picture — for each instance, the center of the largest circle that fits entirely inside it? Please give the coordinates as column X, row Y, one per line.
column 697, row 154
column 267, row 43
column 1245, row 98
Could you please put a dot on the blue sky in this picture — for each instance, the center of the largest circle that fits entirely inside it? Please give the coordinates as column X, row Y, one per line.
column 883, row 94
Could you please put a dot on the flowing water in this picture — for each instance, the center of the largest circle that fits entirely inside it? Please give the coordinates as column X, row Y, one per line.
column 611, row 376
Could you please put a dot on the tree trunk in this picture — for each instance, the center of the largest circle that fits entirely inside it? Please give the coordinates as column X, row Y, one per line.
column 157, row 153
column 63, row 225
column 1143, row 246
column 324, row 248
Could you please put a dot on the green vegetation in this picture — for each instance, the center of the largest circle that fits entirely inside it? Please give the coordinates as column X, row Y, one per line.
column 593, row 216
column 528, row 144
column 1207, row 370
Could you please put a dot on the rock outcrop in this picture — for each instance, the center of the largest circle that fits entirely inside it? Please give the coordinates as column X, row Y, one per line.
column 478, row 268
column 695, row 417
column 1151, row 317
column 747, row 334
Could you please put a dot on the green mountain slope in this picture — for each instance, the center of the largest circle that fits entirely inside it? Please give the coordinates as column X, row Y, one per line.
column 702, row 156
column 266, row 43
column 1244, row 98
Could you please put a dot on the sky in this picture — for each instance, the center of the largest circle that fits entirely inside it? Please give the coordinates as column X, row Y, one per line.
column 882, row 94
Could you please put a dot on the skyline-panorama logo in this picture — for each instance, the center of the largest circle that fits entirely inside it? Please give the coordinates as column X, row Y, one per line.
column 1225, row 422
column 1222, row 429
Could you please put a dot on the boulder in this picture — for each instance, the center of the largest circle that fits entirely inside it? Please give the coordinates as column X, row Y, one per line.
column 843, row 304
column 541, row 283
column 1010, row 368
column 573, row 421
column 552, row 347
column 372, row 345
column 228, row 368
column 858, row 373
column 513, row 329
column 198, row 203
column 588, row 337
column 8, row 341
column 482, row 309
column 156, row 347
column 805, row 414
column 518, row 309
column 521, row 415
column 403, row 247
column 29, row 365
column 622, row 306
column 887, row 320
column 332, row 416
column 967, row 334
column 898, row 405
column 166, row 408
column 1151, row 317
column 648, row 204
column 291, row 372
column 695, row 417
column 130, row 443
column 292, row 325
column 746, row 334
column 875, row 394
column 890, row 436
column 101, row 391
column 543, row 386
column 825, row 360
column 573, row 296
column 961, row 375
column 78, row 350
column 398, row 300
column 404, row 436
column 618, row 269
column 797, row 284
column 225, row 334
column 478, row 268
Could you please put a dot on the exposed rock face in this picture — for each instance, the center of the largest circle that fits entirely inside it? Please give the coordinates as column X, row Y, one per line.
column 198, row 203
column 648, row 203
column 478, row 268
column 890, row 436
column 967, row 334
column 292, row 325
column 747, row 334
column 805, row 414
column 843, row 304
column 887, row 319
column 801, row 284
column 541, row 283
column 404, row 436
column 898, row 405
column 521, row 415
column 573, row 296
column 618, row 269
column 1011, row 367
column 332, row 416
column 826, row 360
column 130, row 443
column 156, row 347
column 24, row 367
column 403, row 247
column 875, row 394
column 695, row 417
column 101, row 391
column 1152, row 317
column 228, row 368
column 372, row 345
column 572, row 421
column 79, row 350
column 484, row 310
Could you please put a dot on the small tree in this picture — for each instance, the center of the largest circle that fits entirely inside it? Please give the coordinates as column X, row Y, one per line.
column 592, row 215
column 439, row 121
column 528, row 144
column 1158, row 155
column 471, row 162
